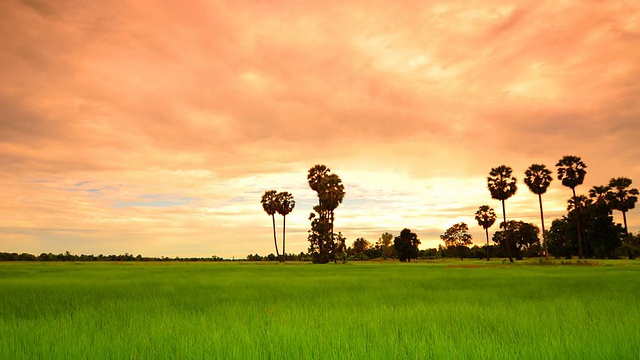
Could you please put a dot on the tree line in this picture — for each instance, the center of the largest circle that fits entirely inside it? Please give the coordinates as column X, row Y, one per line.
column 67, row 256
column 586, row 231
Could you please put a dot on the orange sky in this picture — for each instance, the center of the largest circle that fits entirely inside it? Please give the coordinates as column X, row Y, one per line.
column 145, row 128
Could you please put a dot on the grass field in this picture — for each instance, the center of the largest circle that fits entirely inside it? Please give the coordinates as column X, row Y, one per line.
column 303, row 311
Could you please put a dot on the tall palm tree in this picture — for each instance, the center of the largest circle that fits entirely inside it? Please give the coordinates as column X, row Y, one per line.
column 285, row 206
column 486, row 217
column 571, row 170
column 538, row 178
column 331, row 193
column 502, row 186
column 270, row 206
column 622, row 198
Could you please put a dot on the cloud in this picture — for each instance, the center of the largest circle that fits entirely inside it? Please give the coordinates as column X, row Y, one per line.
column 207, row 105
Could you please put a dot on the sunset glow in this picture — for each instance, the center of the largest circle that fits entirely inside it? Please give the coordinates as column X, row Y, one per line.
column 148, row 128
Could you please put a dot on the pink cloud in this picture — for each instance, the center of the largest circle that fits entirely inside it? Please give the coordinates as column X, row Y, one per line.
column 170, row 99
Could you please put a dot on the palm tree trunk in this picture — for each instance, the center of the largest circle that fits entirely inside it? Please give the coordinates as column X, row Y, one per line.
column 487, row 231
column 544, row 234
column 577, row 209
column 275, row 241
column 504, row 232
column 284, row 227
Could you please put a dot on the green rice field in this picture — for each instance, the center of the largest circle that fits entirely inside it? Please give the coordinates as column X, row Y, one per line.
column 387, row 310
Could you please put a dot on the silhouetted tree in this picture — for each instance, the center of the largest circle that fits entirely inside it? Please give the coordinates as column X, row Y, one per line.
column 358, row 248
column 406, row 245
column 579, row 202
column 502, row 186
column 623, row 199
column 285, row 205
column 538, row 178
column 315, row 175
column 330, row 191
column 270, row 206
column 385, row 244
column 634, row 246
column 571, row 170
column 319, row 236
column 486, row 217
column 522, row 237
column 331, row 194
column 456, row 238
column 562, row 238
column 604, row 235
column 600, row 194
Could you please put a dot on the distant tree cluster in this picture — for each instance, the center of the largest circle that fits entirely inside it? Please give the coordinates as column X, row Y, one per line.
column 302, row 256
column 361, row 249
column 67, row 256
column 403, row 247
column 590, row 220
column 588, row 229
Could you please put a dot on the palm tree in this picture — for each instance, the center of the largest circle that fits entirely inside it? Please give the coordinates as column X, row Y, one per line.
column 579, row 203
column 600, row 194
column 571, row 170
column 538, row 178
column 285, row 206
column 486, row 217
column 623, row 199
column 502, row 186
column 270, row 206
column 316, row 174
column 330, row 193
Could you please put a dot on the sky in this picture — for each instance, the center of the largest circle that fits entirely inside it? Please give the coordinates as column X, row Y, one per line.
column 154, row 128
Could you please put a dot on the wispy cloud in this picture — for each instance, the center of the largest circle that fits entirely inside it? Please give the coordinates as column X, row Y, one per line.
column 207, row 105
